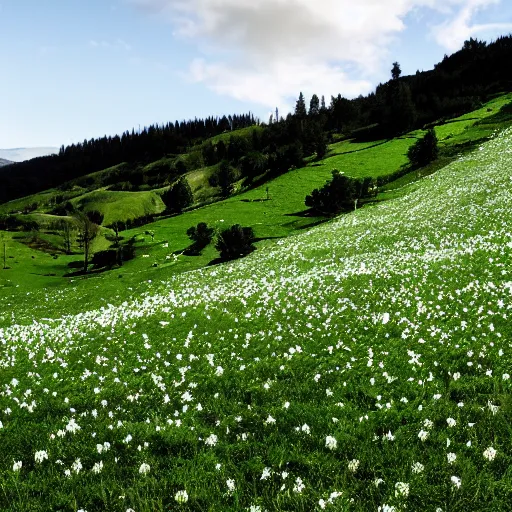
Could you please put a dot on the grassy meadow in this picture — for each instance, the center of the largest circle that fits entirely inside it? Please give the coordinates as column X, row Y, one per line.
column 360, row 365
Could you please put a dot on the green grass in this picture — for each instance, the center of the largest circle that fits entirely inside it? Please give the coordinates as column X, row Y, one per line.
column 281, row 216
column 116, row 205
column 332, row 361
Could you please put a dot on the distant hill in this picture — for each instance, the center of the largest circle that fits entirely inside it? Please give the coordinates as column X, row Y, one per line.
column 22, row 154
column 4, row 162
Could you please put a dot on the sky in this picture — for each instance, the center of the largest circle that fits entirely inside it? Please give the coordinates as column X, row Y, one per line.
column 72, row 70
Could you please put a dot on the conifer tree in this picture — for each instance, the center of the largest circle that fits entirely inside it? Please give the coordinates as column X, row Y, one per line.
column 300, row 107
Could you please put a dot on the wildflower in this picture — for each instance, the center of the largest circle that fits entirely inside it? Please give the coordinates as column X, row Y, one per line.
column 417, row 468
column 231, row 485
column 305, row 428
column 402, row 489
column 265, row 474
column 144, row 468
column 378, row 481
column 269, row 420
column 388, row 437
column 490, row 453
column 76, row 466
column 385, row 318
column 211, row 440
column 353, row 465
column 428, row 423
column 451, row 422
column 493, row 408
column 97, row 467
column 455, row 481
column 181, row 496
column 17, row 465
column 40, row 456
column 451, row 458
column 299, row 485
column 423, row 435
column 331, row 443
column 219, row 371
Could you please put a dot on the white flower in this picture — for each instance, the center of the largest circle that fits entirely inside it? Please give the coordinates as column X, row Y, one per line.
column 385, row 318
column 451, row 457
column 231, row 485
column 388, row 437
column 299, row 485
column 269, row 420
column 386, row 508
column 331, row 443
column 493, row 408
column 353, row 465
column 401, row 489
column 428, row 423
column 456, row 376
column 490, row 453
column 181, row 496
column 451, row 422
column 378, row 481
column 76, row 466
column 17, row 465
column 417, row 468
column 211, row 440
column 265, row 474
column 455, row 481
column 423, row 435
column 305, row 428
column 40, row 456
column 97, row 467
column 144, row 468
column 219, row 371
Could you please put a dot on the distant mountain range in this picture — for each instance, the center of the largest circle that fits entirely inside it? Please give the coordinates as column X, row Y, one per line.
column 4, row 162
column 22, row 154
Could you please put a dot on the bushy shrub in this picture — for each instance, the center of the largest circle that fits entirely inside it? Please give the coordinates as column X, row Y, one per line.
column 235, row 242
column 424, row 150
column 178, row 197
column 340, row 194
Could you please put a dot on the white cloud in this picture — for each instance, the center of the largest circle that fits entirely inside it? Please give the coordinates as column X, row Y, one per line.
column 452, row 33
column 266, row 51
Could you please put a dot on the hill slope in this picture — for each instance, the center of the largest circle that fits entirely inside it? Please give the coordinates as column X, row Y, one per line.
column 23, row 154
column 363, row 362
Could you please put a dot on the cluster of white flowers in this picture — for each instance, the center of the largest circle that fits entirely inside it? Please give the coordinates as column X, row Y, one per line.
column 402, row 489
column 353, row 465
column 490, row 453
column 144, row 468
column 331, row 443
column 181, row 496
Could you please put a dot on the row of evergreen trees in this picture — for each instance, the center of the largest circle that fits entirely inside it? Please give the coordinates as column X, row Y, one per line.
column 455, row 85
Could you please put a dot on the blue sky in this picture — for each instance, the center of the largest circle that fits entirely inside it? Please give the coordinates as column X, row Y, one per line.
column 72, row 70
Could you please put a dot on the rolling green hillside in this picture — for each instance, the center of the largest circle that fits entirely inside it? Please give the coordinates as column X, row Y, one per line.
column 37, row 260
column 361, row 365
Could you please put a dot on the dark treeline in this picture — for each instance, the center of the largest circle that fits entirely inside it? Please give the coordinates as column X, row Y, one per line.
column 456, row 85
column 77, row 160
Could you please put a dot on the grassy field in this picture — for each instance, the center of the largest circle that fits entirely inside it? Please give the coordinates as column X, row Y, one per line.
column 120, row 206
column 161, row 257
column 362, row 365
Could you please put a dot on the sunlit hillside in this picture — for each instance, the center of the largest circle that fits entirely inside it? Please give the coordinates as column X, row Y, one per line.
column 362, row 365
